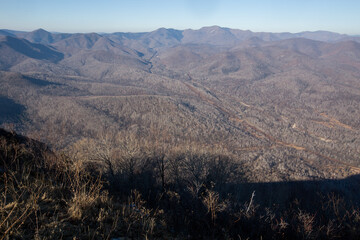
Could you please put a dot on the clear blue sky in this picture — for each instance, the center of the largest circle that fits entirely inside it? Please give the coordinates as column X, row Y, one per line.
column 141, row 15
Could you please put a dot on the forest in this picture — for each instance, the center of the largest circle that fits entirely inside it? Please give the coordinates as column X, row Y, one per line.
column 179, row 134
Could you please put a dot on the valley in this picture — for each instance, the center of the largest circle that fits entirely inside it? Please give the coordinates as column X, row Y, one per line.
column 214, row 133
column 286, row 106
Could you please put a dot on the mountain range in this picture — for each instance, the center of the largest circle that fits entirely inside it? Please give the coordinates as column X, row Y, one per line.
column 285, row 104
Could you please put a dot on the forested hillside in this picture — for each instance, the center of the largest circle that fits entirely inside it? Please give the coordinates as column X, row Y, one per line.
column 285, row 105
column 156, row 193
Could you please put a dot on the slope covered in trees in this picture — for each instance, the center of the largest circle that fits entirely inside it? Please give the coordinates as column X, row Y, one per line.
column 152, row 193
column 286, row 105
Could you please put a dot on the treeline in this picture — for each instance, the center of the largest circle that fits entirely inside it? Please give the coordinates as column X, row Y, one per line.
column 126, row 187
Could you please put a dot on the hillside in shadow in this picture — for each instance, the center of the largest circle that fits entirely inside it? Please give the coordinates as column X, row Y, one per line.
column 10, row 111
column 50, row 195
column 306, row 192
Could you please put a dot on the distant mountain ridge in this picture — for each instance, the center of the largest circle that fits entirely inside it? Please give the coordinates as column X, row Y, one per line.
column 112, row 54
column 213, row 34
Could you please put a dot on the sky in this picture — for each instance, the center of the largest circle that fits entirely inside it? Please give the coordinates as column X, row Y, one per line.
column 342, row 16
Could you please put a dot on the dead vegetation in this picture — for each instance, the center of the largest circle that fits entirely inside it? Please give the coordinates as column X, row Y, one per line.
column 159, row 137
column 128, row 188
column 291, row 103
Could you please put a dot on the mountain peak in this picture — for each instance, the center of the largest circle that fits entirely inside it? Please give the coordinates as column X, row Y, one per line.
column 40, row 30
column 39, row 36
column 213, row 28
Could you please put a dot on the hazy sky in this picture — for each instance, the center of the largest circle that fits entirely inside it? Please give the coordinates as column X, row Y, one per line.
column 142, row 15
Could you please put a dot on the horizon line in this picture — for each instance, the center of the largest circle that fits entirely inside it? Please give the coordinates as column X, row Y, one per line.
column 170, row 28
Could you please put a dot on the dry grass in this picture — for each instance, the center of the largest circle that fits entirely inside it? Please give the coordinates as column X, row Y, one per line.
column 170, row 193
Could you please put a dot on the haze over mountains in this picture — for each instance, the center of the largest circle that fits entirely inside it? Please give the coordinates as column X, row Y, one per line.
column 287, row 105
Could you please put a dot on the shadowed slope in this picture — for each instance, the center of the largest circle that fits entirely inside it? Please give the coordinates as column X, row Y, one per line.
column 14, row 50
